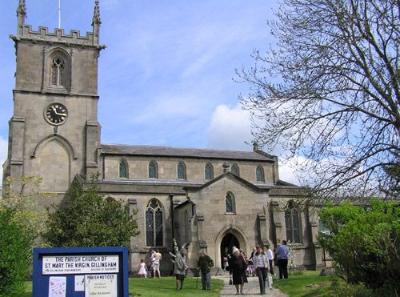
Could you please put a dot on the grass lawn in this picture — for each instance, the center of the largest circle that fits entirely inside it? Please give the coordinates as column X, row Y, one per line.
column 162, row 287
column 306, row 284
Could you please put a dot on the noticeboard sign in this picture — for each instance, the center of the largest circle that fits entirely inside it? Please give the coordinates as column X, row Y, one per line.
column 80, row 272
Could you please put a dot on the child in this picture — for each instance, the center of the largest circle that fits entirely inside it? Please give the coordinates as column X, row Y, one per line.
column 142, row 269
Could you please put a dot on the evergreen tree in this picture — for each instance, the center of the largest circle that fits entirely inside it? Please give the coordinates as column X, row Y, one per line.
column 88, row 219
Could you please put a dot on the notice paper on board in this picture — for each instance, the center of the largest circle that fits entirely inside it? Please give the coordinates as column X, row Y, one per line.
column 101, row 285
column 79, row 283
column 57, row 286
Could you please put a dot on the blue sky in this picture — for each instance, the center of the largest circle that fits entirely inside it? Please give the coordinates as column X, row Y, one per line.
column 167, row 75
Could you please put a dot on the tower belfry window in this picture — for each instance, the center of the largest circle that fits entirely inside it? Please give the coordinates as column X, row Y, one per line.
column 58, row 72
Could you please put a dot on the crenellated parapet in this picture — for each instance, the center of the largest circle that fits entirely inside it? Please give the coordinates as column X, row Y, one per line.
column 58, row 36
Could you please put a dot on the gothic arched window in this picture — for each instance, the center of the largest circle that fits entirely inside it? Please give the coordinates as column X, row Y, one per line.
column 235, row 169
column 59, row 63
column 153, row 169
column 230, row 205
column 154, row 223
column 209, row 171
column 181, row 170
column 260, row 177
column 123, row 169
column 293, row 223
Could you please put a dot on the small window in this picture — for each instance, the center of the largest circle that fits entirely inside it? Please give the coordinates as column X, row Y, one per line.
column 230, row 203
column 181, row 170
column 59, row 69
column 235, row 169
column 260, row 174
column 153, row 169
column 123, row 169
column 209, row 171
column 293, row 223
column 154, row 223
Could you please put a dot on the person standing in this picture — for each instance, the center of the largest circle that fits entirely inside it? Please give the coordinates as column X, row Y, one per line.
column 238, row 267
column 260, row 262
column 282, row 254
column 156, row 258
column 270, row 256
column 142, row 269
column 205, row 263
column 180, row 266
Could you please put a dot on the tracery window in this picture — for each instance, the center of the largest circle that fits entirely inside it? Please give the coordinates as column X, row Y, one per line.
column 153, row 169
column 123, row 169
column 235, row 169
column 209, row 171
column 260, row 177
column 181, row 170
column 154, row 223
column 293, row 223
column 58, row 69
column 230, row 204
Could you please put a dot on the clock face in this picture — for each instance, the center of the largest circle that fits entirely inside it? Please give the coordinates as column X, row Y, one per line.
column 56, row 114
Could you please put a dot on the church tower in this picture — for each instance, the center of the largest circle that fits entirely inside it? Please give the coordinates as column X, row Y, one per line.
column 54, row 132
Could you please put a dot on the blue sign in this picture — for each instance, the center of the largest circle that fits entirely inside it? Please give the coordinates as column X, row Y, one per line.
column 80, row 272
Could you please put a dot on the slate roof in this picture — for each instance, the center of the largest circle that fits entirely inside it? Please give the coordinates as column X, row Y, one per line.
column 164, row 151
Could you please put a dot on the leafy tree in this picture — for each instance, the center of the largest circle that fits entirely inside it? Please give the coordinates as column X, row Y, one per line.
column 15, row 254
column 330, row 90
column 20, row 226
column 364, row 242
column 88, row 219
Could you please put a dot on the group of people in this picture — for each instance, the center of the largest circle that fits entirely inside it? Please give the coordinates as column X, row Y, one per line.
column 261, row 263
column 153, row 267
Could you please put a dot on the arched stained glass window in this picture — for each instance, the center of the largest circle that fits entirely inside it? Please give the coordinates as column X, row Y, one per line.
column 293, row 223
column 154, row 224
column 123, row 169
column 181, row 170
column 209, row 171
column 230, row 203
column 260, row 177
column 153, row 169
column 235, row 169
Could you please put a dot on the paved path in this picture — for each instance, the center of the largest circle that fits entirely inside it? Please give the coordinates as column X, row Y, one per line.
column 251, row 289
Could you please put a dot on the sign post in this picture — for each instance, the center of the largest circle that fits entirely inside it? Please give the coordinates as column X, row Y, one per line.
column 80, row 272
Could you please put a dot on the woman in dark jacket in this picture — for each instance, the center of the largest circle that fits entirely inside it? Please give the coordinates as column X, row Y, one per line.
column 238, row 265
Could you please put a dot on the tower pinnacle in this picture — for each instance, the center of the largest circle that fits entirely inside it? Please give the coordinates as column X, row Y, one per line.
column 21, row 14
column 96, row 21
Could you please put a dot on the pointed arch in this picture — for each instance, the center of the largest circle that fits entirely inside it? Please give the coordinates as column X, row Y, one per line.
column 235, row 169
column 209, row 171
column 123, row 168
column 260, row 176
column 62, row 140
column 181, row 170
column 52, row 162
column 230, row 203
column 293, row 223
column 59, row 68
column 153, row 169
column 154, row 223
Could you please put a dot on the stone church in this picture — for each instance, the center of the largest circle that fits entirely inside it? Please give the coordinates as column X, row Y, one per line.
column 206, row 199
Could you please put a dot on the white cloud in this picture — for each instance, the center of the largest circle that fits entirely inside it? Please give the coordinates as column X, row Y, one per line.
column 3, row 155
column 290, row 170
column 229, row 128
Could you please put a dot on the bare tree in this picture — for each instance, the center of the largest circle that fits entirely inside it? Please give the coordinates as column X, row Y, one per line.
column 337, row 98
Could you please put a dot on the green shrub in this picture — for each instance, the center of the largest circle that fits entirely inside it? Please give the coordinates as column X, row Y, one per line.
column 365, row 244
column 15, row 253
